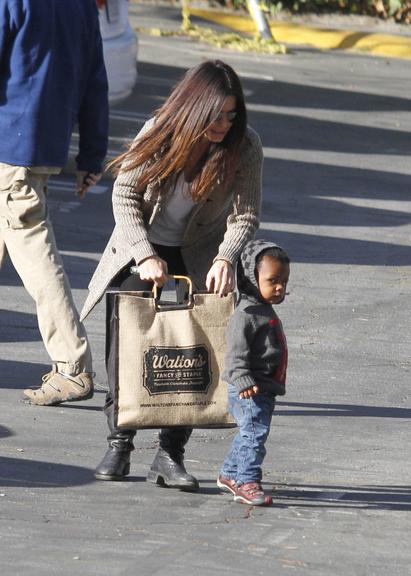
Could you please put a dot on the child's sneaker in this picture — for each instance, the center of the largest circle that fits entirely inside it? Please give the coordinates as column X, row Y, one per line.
column 227, row 484
column 251, row 493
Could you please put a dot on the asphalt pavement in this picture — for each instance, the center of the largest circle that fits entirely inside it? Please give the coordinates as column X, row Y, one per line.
column 336, row 134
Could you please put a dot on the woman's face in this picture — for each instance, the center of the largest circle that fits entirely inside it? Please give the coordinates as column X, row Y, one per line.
column 219, row 128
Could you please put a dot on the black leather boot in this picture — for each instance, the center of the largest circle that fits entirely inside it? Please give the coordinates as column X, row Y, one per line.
column 116, row 462
column 168, row 468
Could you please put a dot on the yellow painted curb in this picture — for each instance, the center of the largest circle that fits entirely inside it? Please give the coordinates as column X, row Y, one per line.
column 324, row 38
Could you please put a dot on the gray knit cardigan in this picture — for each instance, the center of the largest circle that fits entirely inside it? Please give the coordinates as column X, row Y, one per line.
column 218, row 227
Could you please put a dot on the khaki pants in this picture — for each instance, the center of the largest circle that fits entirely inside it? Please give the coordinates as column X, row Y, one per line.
column 27, row 235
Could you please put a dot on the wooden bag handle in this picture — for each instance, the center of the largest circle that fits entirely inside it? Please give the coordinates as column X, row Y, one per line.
column 187, row 279
column 134, row 270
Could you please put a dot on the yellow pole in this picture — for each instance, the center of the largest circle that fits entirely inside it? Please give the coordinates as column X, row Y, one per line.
column 260, row 20
column 185, row 12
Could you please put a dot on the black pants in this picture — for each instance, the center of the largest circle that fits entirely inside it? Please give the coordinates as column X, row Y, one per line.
column 125, row 281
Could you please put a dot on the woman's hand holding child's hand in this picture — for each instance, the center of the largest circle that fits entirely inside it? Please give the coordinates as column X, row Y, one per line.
column 249, row 392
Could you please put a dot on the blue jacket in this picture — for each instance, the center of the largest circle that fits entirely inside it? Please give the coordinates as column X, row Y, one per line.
column 52, row 76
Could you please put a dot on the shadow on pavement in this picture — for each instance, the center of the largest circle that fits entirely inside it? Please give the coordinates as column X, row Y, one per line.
column 313, row 249
column 302, row 133
column 353, row 410
column 325, row 194
column 294, row 130
column 292, row 95
column 79, row 269
column 4, row 432
column 18, row 327
column 328, row 496
column 85, row 406
column 325, row 496
column 287, row 94
column 36, row 474
column 20, row 375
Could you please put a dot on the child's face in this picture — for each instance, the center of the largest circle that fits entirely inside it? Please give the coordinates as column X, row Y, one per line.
column 272, row 277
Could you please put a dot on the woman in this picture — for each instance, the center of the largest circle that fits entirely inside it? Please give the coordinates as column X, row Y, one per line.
column 185, row 201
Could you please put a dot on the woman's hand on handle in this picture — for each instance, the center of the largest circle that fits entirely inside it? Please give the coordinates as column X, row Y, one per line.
column 220, row 278
column 154, row 269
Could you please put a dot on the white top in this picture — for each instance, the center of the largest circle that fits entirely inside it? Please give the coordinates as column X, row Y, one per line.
column 169, row 226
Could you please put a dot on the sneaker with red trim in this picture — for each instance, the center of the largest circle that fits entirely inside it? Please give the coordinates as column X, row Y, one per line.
column 227, row 484
column 252, row 493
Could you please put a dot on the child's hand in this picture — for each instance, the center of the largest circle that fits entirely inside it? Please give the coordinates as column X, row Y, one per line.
column 248, row 392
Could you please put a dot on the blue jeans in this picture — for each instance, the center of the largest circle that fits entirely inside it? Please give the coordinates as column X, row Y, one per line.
column 247, row 452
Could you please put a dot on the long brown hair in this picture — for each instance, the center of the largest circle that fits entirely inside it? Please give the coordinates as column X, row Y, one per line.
column 179, row 124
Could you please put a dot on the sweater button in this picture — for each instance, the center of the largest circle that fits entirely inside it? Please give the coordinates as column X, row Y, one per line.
column 113, row 250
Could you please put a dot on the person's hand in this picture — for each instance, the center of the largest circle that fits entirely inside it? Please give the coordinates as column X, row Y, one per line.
column 220, row 278
column 85, row 180
column 248, row 392
column 154, row 269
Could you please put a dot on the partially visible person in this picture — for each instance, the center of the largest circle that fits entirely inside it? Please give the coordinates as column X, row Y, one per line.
column 186, row 200
column 255, row 367
column 52, row 76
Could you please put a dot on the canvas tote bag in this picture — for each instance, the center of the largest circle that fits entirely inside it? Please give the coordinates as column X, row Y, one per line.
column 169, row 360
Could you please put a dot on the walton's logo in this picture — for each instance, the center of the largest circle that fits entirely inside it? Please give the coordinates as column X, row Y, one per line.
column 161, row 361
column 174, row 369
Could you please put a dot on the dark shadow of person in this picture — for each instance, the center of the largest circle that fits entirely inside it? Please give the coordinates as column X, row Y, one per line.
column 37, row 474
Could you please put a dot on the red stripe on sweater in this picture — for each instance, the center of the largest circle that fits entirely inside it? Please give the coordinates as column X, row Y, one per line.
column 280, row 374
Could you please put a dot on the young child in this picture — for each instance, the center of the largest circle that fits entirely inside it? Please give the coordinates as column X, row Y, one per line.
column 255, row 366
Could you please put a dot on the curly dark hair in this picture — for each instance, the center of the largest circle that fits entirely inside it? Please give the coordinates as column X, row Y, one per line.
column 276, row 253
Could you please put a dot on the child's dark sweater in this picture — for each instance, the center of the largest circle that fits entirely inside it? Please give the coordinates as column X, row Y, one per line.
column 256, row 344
